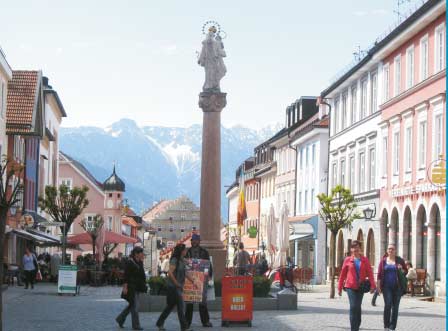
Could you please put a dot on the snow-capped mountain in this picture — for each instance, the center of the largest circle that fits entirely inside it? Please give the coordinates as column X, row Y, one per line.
column 158, row 162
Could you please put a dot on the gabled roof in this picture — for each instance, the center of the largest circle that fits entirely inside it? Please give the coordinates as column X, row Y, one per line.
column 24, row 113
column 78, row 165
column 160, row 207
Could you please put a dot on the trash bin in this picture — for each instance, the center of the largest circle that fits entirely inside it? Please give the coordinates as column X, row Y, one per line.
column 237, row 300
column 287, row 300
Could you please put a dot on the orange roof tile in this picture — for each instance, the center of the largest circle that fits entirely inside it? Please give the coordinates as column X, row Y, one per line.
column 22, row 100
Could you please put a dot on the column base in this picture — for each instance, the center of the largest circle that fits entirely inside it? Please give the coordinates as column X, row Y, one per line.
column 219, row 262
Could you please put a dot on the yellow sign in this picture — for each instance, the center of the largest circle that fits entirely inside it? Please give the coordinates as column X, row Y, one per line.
column 438, row 175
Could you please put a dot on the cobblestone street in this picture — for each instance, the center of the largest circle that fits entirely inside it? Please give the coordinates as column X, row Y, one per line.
column 96, row 308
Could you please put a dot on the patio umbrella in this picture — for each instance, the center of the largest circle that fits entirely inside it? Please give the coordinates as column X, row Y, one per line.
column 283, row 237
column 271, row 238
column 109, row 238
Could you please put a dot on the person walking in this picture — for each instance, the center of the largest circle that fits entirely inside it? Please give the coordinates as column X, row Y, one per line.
column 30, row 267
column 241, row 260
column 165, row 267
column 356, row 278
column 198, row 252
column 134, row 285
column 175, row 284
column 389, row 284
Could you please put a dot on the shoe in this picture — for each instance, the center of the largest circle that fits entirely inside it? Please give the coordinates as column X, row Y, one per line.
column 120, row 323
column 137, row 328
column 187, row 329
column 207, row 325
column 161, row 328
column 373, row 303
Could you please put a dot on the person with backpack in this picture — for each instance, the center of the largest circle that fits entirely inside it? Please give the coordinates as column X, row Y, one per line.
column 356, row 278
column 175, row 284
column 392, row 283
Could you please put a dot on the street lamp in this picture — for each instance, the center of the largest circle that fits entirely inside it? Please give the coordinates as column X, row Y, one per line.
column 369, row 213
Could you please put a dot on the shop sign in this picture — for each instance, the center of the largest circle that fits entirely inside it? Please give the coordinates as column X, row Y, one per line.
column 415, row 189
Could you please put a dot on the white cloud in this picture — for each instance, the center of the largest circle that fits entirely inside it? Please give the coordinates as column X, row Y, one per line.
column 360, row 13
column 380, row 12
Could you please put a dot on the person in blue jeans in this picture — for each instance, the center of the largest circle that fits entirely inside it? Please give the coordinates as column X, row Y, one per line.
column 389, row 285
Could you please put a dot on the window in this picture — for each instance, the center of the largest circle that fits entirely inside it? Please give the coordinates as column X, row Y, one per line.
column 352, row 173
column 344, row 111
column 384, row 156
column 397, row 75
column 386, row 73
column 67, row 182
column 171, row 228
column 300, row 202
column 89, row 221
column 312, row 199
column 410, row 67
column 372, row 169
column 2, row 99
column 335, row 119
column 424, row 58
column 313, row 154
column 408, row 151
column 306, row 201
column 353, row 107
column 342, row 180
column 363, row 99
column 362, row 172
column 306, row 158
column 374, row 91
column 440, row 48
column 110, row 222
column 438, row 136
column 301, row 158
column 396, row 153
column 335, row 175
column 422, row 144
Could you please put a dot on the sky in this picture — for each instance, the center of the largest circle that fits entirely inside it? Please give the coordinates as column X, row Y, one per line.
column 137, row 59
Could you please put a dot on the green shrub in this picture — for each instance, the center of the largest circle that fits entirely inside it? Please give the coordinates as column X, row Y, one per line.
column 262, row 286
column 157, row 285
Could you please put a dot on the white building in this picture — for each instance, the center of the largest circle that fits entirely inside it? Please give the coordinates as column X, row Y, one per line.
column 5, row 76
column 308, row 240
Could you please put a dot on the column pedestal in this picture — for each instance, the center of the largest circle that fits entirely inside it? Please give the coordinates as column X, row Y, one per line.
column 210, row 208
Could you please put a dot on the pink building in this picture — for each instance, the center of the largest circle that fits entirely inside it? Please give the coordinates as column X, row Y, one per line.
column 412, row 138
column 105, row 199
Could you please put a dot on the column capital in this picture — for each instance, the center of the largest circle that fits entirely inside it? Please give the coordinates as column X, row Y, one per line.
column 212, row 102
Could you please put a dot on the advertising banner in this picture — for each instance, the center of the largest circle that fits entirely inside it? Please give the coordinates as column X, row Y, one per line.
column 197, row 270
column 237, row 298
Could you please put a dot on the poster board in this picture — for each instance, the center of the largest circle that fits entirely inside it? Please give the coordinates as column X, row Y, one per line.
column 198, row 271
column 237, row 298
column 67, row 279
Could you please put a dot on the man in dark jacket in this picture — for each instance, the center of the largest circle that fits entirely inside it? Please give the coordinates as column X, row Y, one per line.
column 134, row 285
column 197, row 252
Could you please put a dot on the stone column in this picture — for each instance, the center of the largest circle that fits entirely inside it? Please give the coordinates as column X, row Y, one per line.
column 210, row 209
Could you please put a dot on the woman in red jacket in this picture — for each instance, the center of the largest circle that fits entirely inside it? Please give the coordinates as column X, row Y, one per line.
column 355, row 272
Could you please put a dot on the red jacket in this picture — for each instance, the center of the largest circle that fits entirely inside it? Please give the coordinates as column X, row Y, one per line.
column 348, row 279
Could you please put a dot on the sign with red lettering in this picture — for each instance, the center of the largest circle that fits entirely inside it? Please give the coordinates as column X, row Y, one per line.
column 237, row 299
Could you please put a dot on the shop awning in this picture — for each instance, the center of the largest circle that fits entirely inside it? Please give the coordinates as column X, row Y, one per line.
column 110, row 238
column 299, row 237
column 39, row 238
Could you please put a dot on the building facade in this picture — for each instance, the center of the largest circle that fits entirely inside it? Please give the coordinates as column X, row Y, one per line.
column 173, row 219
column 413, row 139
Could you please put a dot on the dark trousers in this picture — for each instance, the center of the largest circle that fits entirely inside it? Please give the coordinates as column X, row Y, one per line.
column 203, row 313
column 173, row 299
column 29, row 277
column 392, row 297
column 132, row 308
column 355, row 298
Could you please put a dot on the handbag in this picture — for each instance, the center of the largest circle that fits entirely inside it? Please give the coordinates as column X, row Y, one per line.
column 403, row 282
column 364, row 286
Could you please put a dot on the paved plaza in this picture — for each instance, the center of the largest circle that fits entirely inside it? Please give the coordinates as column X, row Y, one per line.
column 95, row 309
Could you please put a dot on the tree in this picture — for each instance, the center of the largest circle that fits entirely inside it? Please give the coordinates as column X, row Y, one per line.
column 9, row 197
column 64, row 205
column 108, row 249
column 338, row 212
column 93, row 228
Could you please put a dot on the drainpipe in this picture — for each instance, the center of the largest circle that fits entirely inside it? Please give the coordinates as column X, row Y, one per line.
column 321, row 101
column 295, row 174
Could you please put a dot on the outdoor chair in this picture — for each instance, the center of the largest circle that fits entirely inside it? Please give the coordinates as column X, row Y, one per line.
column 419, row 284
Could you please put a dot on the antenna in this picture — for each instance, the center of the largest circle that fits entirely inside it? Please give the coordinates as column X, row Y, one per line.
column 359, row 54
column 398, row 10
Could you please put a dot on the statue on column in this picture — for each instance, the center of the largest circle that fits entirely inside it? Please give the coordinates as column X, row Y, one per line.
column 211, row 58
